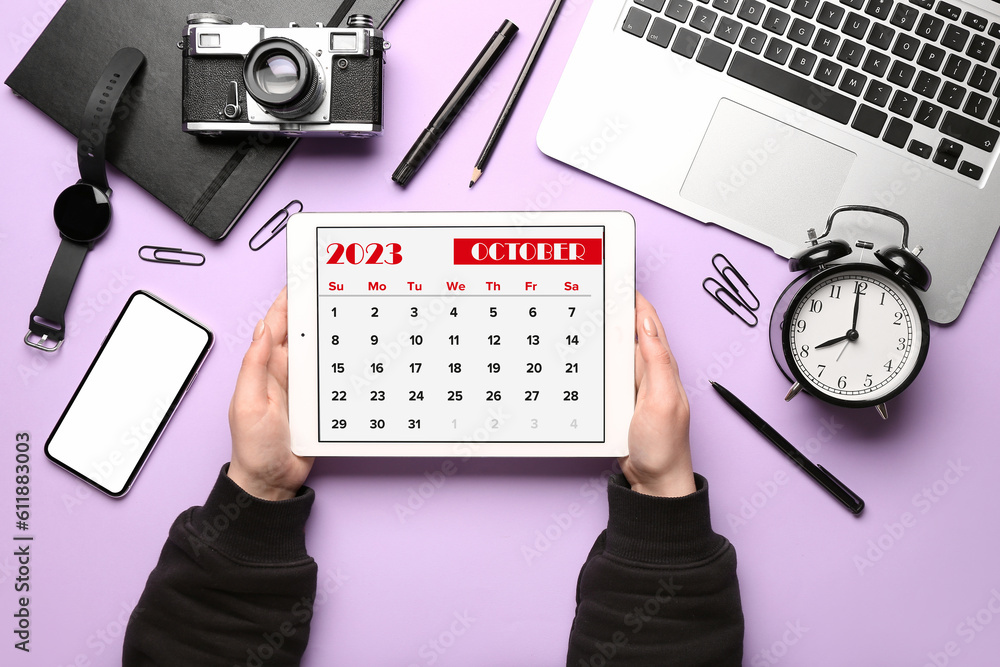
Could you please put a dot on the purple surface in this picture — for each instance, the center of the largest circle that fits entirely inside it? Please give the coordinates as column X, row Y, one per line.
column 395, row 586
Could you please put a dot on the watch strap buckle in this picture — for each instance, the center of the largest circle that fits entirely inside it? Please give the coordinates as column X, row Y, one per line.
column 42, row 338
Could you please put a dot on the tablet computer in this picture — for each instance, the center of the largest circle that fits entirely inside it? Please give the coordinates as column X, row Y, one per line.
column 461, row 334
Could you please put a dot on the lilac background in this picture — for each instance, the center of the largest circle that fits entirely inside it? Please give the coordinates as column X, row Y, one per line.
column 395, row 585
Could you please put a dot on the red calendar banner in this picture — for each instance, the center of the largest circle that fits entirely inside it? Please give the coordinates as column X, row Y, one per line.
column 528, row 251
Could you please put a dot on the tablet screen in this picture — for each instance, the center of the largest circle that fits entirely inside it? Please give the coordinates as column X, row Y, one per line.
column 449, row 333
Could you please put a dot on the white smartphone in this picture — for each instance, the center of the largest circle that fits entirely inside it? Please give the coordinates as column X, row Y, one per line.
column 130, row 391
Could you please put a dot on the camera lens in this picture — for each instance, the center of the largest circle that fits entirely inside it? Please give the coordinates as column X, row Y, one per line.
column 277, row 74
column 283, row 78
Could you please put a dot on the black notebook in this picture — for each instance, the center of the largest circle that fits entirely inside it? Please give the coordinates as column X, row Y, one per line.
column 208, row 182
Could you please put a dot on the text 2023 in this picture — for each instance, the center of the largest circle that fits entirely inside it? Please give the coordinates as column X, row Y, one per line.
column 355, row 253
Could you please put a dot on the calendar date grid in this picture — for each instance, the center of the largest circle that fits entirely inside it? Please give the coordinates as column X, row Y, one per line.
column 432, row 361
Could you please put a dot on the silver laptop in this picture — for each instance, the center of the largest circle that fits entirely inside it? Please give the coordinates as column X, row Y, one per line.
column 763, row 116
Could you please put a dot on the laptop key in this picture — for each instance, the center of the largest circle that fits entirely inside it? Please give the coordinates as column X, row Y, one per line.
column 919, row 149
column 752, row 40
column 856, row 25
column 636, row 21
column 831, row 15
column 727, row 6
column 776, row 21
column 751, row 11
column 956, row 67
column 851, row 53
column 791, row 88
column 972, row 171
column 853, row 82
column 980, row 48
column 904, row 17
column 826, row 42
column 879, row 9
column 928, row 114
column 713, row 54
column 926, row 84
column 901, row 74
column 877, row 93
column 828, row 72
column 778, row 51
column 974, row 21
column 994, row 118
column 728, row 30
column 965, row 129
column 679, row 10
column 661, row 32
column 947, row 154
column 703, row 20
column 876, row 63
column 931, row 57
column 903, row 103
column 905, row 46
column 897, row 133
column 686, row 43
column 951, row 95
column 805, row 8
column 982, row 78
column 948, row 11
column 869, row 120
column 929, row 27
column 781, row 3
column 854, row 4
column 655, row 5
column 977, row 106
column 955, row 37
column 926, row 4
column 803, row 61
column 801, row 32
column 881, row 36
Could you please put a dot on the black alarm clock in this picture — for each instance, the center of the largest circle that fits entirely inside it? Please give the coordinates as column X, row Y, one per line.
column 852, row 334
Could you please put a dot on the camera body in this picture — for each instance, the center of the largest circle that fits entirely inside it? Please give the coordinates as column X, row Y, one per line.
column 291, row 81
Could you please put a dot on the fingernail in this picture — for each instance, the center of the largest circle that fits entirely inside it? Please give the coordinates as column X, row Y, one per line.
column 650, row 328
column 258, row 330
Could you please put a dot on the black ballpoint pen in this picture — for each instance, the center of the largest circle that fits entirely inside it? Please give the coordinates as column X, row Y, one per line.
column 849, row 499
column 459, row 97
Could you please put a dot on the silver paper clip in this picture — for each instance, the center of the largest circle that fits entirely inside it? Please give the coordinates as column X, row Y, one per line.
column 158, row 255
column 742, row 302
column 279, row 219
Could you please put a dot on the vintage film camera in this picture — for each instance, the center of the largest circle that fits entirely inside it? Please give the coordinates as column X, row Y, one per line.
column 292, row 81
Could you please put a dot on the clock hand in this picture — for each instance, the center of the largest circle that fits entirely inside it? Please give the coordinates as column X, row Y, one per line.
column 833, row 341
column 857, row 302
column 843, row 348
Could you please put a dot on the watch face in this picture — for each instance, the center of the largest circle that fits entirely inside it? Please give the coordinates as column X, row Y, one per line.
column 855, row 335
column 82, row 213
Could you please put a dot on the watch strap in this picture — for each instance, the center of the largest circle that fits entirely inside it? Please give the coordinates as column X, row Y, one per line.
column 98, row 115
column 47, row 321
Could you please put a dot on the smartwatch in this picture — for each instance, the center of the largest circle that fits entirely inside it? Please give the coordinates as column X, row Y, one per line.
column 83, row 210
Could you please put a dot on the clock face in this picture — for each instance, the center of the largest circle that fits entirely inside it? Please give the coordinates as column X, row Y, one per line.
column 855, row 335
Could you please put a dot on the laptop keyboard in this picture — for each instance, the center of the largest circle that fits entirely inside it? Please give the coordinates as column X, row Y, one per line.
column 918, row 75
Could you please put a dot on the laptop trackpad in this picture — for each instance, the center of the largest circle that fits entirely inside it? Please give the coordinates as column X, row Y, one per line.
column 766, row 173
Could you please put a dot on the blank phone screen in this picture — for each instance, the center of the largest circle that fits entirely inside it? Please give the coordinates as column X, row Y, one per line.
column 129, row 393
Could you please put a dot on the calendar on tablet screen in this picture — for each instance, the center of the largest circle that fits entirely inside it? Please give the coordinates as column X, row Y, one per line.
column 461, row 333
column 425, row 333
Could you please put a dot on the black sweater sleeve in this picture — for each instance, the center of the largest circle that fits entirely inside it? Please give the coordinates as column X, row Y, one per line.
column 659, row 586
column 234, row 585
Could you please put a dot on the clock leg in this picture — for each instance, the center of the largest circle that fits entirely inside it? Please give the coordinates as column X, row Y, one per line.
column 793, row 391
column 883, row 410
